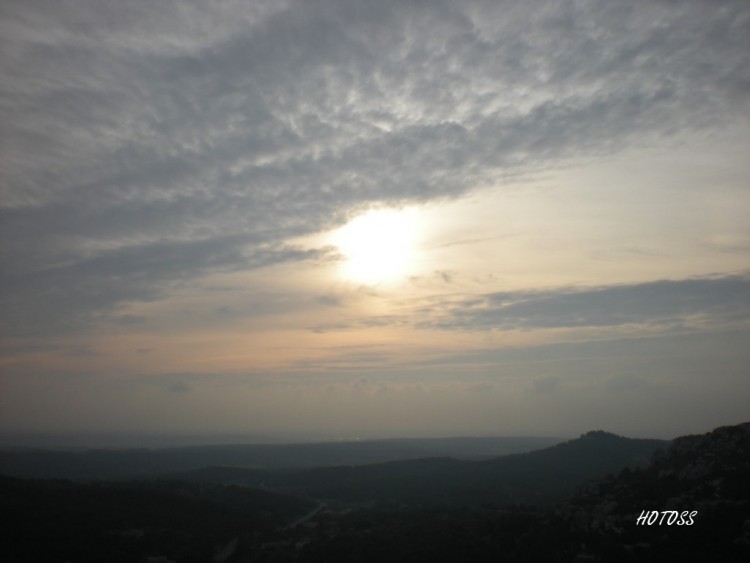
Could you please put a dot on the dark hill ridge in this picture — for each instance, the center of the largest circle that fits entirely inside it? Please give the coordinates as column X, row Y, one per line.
column 55, row 521
column 707, row 473
column 129, row 521
column 130, row 463
column 714, row 455
column 540, row 476
column 696, row 472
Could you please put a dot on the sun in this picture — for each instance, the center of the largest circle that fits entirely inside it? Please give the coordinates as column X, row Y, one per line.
column 379, row 245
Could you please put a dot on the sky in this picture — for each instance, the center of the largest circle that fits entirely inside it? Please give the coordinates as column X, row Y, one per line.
column 340, row 219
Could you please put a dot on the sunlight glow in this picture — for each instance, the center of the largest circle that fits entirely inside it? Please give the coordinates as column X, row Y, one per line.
column 379, row 245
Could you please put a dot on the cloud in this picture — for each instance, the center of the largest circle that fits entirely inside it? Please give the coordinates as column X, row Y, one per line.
column 481, row 387
column 67, row 297
column 664, row 303
column 625, row 383
column 179, row 388
column 690, row 304
column 144, row 146
column 546, row 385
column 329, row 300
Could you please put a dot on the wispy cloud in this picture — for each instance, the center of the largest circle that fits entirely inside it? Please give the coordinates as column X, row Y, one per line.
column 694, row 303
column 663, row 303
column 144, row 145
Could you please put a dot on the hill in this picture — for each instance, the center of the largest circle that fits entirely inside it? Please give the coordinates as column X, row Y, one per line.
column 540, row 476
column 705, row 477
column 139, row 463
column 54, row 521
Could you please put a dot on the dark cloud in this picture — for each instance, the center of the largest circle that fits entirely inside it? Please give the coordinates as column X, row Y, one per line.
column 664, row 304
column 676, row 305
column 329, row 300
column 67, row 297
column 546, row 385
column 144, row 144
column 625, row 383
column 179, row 388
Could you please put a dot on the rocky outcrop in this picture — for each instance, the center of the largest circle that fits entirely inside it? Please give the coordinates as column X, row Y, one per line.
column 699, row 485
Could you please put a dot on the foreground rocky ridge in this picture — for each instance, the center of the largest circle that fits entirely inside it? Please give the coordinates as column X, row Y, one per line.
column 700, row 488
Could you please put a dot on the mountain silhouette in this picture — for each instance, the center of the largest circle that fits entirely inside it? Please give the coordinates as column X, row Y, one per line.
column 540, row 476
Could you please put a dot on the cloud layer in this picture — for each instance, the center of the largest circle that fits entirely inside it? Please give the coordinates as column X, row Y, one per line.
column 148, row 144
column 664, row 304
